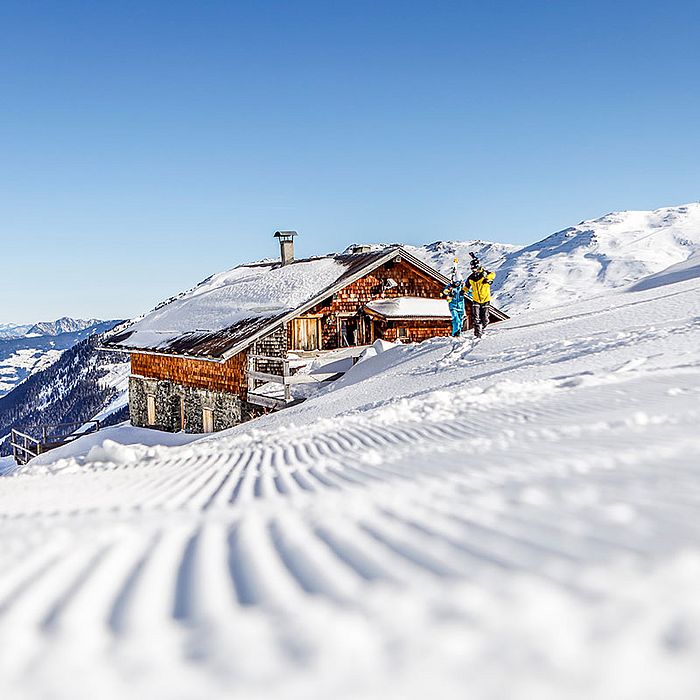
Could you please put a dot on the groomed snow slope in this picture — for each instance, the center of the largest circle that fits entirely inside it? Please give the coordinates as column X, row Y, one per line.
column 516, row 519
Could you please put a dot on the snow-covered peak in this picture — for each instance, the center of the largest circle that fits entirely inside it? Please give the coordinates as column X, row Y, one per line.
column 42, row 328
column 578, row 262
column 62, row 325
column 13, row 330
column 441, row 254
column 596, row 255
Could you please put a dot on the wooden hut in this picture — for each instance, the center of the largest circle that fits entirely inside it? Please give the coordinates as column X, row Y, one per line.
column 198, row 361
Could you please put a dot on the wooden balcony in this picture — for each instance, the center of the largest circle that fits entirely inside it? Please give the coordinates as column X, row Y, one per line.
column 273, row 388
column 257, row 379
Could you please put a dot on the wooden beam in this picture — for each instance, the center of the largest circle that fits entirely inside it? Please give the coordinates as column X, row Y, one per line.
column 267, row 358
column 267, row 377
column 266, row 401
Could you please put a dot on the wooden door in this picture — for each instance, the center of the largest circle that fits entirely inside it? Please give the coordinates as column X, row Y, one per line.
column 151, row 409
column 207, row 420
column 306, row 334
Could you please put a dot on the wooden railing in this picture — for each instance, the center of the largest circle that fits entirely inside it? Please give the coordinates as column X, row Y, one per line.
column 254, row 376
column 26, row 446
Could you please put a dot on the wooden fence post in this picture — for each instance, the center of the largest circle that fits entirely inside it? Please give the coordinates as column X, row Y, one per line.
column 285, row 379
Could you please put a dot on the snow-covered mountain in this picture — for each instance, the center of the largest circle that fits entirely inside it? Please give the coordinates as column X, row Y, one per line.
column 25, row 350
column 14, row 330
column 441, row 254
column 61, row 325
column 595, row 256
column 576, row 263
column 83, row 383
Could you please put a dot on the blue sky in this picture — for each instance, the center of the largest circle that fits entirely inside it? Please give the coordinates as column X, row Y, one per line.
column 145, row 145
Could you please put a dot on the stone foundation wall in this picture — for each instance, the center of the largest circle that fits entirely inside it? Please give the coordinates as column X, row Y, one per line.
column 173, row 400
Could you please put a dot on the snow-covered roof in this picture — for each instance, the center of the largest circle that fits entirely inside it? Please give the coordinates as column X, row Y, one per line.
column 410, row 307
column 228, row 311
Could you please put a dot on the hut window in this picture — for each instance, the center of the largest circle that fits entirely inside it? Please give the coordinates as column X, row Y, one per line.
column 403, row 332
column 207, row 420
column 151, row 409
column 182, row 413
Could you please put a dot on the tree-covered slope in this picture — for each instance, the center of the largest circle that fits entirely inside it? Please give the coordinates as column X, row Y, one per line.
column 79, row 385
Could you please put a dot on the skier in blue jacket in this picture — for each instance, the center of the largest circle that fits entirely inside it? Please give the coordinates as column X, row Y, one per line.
column 455, row 293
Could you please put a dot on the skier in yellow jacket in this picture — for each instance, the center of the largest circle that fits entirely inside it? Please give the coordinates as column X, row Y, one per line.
column 479, row 286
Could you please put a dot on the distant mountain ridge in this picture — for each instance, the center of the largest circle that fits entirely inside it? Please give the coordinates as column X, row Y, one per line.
column 83, row 383
column 441, row 254
column 62, row 325
column 23, row 355
column 13, row 330
column 65, row 324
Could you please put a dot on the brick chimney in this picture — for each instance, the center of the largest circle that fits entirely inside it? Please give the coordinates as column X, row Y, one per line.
column 286, row 245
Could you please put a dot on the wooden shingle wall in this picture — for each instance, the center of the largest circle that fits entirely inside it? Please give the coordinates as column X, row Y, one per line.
column 272, row 345
column 229, row 376
column 410, row 281
column 416, row 330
